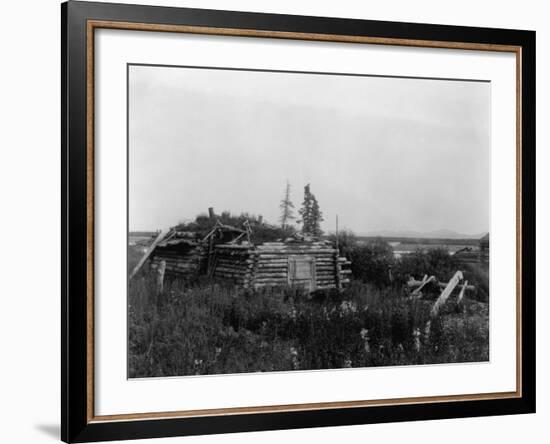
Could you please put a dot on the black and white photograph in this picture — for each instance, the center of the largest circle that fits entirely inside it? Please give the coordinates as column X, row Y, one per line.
column 285, row 221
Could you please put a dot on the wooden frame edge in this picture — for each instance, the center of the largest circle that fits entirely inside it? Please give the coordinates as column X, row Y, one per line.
column 335, row 38
column 286, row 408
column 91, row 25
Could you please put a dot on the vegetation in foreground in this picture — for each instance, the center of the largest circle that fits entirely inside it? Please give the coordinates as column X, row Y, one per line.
column 208, row 327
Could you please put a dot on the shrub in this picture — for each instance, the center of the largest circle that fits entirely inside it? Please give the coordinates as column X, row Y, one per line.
column 478, row 275
column 371, row 262
column 347, row 242
column 433, row 262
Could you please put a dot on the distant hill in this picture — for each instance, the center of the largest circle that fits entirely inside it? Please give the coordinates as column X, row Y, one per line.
column 438, row 234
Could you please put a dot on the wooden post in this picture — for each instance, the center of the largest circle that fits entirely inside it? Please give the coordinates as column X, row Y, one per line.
column 446, row 293
column 211, row 214
column 161, row 269
column 337, row 249
column 461, row 295
column 152, row 247
column 209, row 257
column 337, row 275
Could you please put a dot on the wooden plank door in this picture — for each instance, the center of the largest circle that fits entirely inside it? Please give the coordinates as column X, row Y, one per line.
column 302, row 272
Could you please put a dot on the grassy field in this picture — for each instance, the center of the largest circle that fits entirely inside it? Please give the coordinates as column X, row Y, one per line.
column 204, row 326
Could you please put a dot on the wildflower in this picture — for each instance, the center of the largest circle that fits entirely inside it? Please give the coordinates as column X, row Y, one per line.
column 198, row 361
column 365, row 337
column 294, row 358
column 416, row 338
column 348, row 307
column 292, row 313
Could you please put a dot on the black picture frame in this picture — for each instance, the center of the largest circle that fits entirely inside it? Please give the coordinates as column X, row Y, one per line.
column 76, row 423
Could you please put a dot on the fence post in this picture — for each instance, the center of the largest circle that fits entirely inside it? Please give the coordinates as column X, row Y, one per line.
column 161, row 269
column 446, row 293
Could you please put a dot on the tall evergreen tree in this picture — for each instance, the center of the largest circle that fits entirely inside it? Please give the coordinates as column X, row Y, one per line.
column 287, row 208
column 311, row 214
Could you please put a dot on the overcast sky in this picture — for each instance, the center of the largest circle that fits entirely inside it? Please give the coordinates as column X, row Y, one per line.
column 385, row 154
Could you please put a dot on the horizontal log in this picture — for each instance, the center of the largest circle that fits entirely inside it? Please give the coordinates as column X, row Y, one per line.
column 415, row 283
column 181, row 266
column 270, row 266
column 269, row 263
column 175, row 273
column 286, row 244
column 228, row 261
column 228, row 257
column 270, row 272
column 233, row 266
column 234, row 247
column 177, row 251
column 233, row 278
column 177, row 258
column 175, row 261
column 231, row 270
column 230, row 273
column 230, row 265
column 296, row 252
column 282, row 254
column 178, row 263
column 180, row 270
column 271, row 279
column 238, row 269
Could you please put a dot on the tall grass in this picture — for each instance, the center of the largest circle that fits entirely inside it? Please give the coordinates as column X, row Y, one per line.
column 208, row 327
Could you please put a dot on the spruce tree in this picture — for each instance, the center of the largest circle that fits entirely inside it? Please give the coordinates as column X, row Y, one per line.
column 316, row 218
column 287, row 208
column 311, row 214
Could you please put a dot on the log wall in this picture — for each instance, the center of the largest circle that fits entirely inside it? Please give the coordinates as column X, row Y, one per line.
column 269, row 264
column 183, row 261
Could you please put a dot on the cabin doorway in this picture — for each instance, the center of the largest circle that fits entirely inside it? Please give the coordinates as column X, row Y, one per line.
column 301, row 272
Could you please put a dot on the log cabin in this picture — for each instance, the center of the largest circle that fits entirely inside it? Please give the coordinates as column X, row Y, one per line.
column 310, row 264
column 227, row 253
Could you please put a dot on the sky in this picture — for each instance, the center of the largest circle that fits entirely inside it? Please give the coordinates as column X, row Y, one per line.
column 384, row 154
